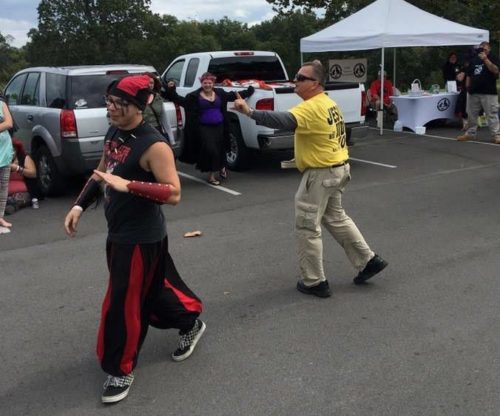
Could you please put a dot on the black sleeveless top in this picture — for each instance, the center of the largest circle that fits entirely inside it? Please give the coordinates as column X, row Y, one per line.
column 131, row 219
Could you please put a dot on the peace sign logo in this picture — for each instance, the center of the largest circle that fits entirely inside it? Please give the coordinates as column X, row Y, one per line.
column 443, row 104
column 359, row 70
column 335, row 71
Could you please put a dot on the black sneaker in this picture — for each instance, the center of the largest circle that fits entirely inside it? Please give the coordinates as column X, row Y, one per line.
column 322, row 290
column 116, row 388
column 374, row 266
column 188, row 341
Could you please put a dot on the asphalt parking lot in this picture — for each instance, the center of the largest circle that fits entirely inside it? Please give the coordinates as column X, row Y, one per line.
column 420, row 339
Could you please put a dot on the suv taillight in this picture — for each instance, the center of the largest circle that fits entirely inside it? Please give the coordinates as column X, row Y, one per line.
column 178, row 114
column 363, row 103
column 265, row 104
column 68, row 124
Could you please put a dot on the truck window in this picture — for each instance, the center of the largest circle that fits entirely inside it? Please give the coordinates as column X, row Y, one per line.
column 265, row 68
column 13, row 90
column 55, row 90
column 191, row 71
column 174, row 73
column 30, row 91
column 87, row 91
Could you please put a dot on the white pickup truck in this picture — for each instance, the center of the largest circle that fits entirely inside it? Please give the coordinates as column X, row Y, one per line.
column 265, row 70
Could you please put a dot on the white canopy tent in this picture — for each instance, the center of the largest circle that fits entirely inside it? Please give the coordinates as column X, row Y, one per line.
column 391, row 24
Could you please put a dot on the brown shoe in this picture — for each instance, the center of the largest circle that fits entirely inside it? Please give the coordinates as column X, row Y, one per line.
column 465, row 137
column 496, row 139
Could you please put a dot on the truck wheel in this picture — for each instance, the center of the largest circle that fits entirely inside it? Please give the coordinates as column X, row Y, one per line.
column 50, row 181
column 238, row 156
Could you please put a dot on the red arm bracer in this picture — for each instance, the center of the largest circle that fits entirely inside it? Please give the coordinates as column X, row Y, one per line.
column 158, row 192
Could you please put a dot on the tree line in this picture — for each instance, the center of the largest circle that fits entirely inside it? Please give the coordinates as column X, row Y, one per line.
column 85, row 32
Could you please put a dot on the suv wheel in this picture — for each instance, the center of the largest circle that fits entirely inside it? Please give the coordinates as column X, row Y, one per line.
column 50, row 181
column 238, row 156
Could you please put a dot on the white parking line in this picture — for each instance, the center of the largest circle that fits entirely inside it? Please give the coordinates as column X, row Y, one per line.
column 468, row 141
column 438, row 137
column 374, row 163
column 220, row 188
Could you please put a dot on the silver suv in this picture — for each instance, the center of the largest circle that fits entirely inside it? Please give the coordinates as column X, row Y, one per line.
column 61, row 117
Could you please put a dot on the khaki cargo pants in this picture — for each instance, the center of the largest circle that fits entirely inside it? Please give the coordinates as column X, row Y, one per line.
column 318, row 201
column 489, row 104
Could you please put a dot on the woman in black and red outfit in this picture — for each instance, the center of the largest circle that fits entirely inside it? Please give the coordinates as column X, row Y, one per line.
column 206, row 135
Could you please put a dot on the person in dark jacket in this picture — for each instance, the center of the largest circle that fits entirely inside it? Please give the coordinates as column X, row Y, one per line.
column 451, row 68
column 206, row 134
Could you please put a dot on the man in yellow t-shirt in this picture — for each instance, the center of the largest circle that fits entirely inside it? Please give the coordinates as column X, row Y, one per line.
column 321, row 155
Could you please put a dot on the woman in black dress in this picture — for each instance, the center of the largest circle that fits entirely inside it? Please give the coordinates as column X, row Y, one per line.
column 206, row 134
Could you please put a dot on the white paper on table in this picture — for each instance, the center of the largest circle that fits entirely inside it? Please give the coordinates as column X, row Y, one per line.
column 451, row 86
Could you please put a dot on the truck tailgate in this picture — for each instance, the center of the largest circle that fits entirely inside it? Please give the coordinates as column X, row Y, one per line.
column 349, row 103
column 347, row 96
column 285, row 98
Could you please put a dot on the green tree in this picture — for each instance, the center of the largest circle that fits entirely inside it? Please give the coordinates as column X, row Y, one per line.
column 422, row 63
column 86, row 31
column 229, row 34
column 282, row 34
column 12, row 60
column 477, row 13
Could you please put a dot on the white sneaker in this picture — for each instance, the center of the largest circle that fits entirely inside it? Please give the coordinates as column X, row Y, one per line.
column 4, row 230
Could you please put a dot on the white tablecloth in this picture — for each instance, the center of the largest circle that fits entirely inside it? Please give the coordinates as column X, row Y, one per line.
column 415, row 112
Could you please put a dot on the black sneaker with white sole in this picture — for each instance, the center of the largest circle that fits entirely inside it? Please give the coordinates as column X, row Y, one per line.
column 374, row 266
column 116, row 388
column 188, row 341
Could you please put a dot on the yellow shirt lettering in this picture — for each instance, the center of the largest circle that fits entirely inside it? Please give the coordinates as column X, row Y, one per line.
column 320, row 136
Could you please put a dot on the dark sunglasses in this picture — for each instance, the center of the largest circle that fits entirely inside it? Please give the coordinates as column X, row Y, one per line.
column 300, row 78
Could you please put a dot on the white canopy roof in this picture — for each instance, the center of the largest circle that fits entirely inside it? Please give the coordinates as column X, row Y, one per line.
column 388, row 24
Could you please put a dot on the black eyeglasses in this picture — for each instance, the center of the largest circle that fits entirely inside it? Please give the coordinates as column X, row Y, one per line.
column 118, row 104
column 300, row 78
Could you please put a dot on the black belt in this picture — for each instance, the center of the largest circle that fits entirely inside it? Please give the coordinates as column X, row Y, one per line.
column 338, row 165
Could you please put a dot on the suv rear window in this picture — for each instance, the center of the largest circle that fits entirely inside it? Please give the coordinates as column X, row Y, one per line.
column 55, row 87
column 87, row 91
column 265, row 68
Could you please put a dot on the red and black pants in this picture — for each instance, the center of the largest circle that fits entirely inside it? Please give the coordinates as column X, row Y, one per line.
column 144, row 289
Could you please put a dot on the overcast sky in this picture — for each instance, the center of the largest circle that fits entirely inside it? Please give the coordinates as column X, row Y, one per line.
column 19, row 16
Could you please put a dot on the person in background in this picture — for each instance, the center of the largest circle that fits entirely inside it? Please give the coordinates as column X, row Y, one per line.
column 6, row 156
column 138, row 172
column 451, row 68
column 206, row 134
column 481, row 85
column 321, row 155
column 461, row 105
column 374, row 93
column 23, row 186
column 152, row 112
column 453, row 71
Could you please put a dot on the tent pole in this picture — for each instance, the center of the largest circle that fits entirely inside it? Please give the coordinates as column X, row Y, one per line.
column 301, row 59
column 394, row 68
column 380, row 114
